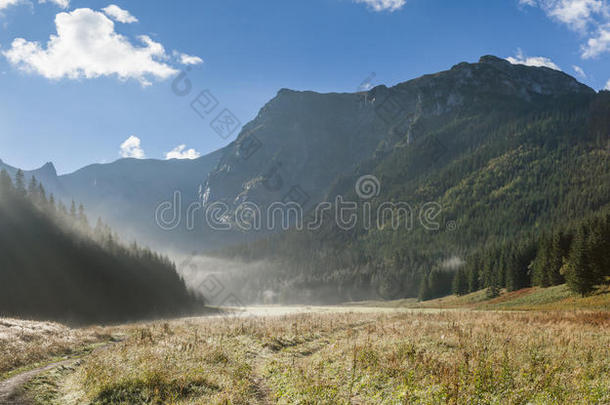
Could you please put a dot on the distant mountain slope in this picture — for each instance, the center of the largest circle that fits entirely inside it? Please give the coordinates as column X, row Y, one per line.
column 45, row 174
column 509, row 152
column 47, row 271
column 306, row 147
column 127, row 192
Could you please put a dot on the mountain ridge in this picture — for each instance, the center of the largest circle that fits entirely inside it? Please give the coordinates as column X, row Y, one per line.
column 305, row 140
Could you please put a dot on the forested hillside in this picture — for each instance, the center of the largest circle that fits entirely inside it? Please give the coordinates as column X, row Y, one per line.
column 55, row 265
column 510, row 173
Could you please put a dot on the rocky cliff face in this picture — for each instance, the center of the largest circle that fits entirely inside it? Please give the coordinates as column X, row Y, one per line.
column 301, row 142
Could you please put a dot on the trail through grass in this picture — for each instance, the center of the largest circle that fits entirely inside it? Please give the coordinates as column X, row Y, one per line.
column 360, row 357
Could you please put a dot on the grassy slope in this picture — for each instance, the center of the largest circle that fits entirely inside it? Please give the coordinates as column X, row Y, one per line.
column 527, row 299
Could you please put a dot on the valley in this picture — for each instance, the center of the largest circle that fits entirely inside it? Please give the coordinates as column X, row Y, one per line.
column 342, row 355
column 448, row 243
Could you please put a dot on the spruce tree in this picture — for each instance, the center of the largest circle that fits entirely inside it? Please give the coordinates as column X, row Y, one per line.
column 33, row 189
column 51, row 206
column 42, row 196
column 6, row 184
column 460, row 282
column 473, row 275
column 556, row 255
column 73, row 211
column 580, row 277
column 424, row 289
column 83, row 223
column 541, row 276
column 20, row 183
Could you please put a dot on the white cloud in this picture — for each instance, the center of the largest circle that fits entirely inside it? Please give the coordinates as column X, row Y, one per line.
column 61, row 3
column 608, row 85
column 538, row 61
column 179, row 152
column 383, row 5
column 131, row 148
column 185, row 59
column 590, row 18
column 597, row 45
column 580, row 72
column 118, row 14
column 86, row 46
column 576, row 14
column 6, row 3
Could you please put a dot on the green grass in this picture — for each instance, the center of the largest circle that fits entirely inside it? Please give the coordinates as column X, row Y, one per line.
column 536, row 298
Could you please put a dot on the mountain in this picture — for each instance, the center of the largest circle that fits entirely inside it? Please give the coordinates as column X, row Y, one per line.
column 309, row 140
column 46, row 174
column 453, row 137
column 508, row 154
column 127, row 192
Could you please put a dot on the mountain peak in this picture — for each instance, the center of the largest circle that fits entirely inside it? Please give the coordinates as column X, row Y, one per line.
column 493, row 60
column 49, row 169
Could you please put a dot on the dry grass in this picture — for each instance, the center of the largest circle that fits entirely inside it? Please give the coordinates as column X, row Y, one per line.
column 423, row 357
column 26, row 343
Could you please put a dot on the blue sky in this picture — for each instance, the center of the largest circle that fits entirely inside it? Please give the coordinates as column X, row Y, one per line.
column 100, row 84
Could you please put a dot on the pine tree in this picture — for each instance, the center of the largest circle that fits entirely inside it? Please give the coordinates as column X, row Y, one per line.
column 424, row 289
column 541, row 263
column 73, row 211
column 63, row 211
column 98, row 231
column 557, row 253
column 83, row 223
column 511, row 276
column 473, row 275
column 33, row 189
column 51, row 206
column 580, row 277
column 20, row 183
column 597, row 248
column 6, row 184
column 42, row 196
column 460, row 282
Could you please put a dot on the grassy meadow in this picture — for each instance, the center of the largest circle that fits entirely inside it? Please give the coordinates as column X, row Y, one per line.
column 402, row 356
column 28, row 344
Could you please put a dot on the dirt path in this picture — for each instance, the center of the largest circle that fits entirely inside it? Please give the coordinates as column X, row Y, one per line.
column 263, row 392
column 11, row 389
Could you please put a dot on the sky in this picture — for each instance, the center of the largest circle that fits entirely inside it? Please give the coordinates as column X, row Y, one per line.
column 87, row 81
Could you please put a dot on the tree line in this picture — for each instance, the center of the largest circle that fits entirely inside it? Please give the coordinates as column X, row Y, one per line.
column 55, row 265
